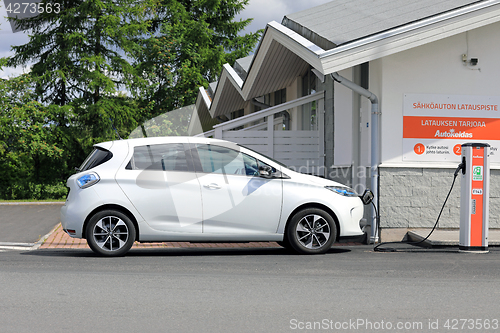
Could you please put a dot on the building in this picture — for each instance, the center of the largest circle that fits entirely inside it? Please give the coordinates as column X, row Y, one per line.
column 371, row 93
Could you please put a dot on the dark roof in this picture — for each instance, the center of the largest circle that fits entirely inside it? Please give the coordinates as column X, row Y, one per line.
column 342, row 21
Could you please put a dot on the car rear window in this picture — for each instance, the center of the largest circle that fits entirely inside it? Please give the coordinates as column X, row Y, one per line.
column 97, row 157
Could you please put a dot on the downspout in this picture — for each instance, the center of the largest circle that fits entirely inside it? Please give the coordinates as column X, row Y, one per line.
column 255, row 102
column 374, row 146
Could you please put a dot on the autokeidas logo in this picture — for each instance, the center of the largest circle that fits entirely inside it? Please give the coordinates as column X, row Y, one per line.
column 452, row 134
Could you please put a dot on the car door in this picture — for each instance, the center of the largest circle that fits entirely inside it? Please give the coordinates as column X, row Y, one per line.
column 161, row 183
column 236, row 200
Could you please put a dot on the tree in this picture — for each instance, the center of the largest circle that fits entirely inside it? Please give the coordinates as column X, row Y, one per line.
column 190, row 42
column 31, row 145
column 80, row 56
column 101, row 67
column 80, row 52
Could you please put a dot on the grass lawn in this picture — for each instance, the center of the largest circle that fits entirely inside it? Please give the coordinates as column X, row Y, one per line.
column 32, row 200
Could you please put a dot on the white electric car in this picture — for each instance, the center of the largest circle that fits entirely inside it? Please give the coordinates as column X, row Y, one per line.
column 202, row 190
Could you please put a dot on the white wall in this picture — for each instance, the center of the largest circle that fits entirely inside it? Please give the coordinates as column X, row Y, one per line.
column 434, row 68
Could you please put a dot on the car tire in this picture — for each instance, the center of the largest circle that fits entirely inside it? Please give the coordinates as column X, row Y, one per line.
column 110, row 233
column 311, row 231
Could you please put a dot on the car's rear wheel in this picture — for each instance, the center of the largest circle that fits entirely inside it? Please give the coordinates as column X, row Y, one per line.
column 110, row 233
column 311, row 231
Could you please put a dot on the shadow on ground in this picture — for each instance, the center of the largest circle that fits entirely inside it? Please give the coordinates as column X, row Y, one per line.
column 177, row 252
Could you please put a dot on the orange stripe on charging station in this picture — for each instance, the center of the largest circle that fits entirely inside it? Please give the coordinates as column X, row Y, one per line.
column 476, row 220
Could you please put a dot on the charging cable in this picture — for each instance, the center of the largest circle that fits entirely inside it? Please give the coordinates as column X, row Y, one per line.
column 378, row 248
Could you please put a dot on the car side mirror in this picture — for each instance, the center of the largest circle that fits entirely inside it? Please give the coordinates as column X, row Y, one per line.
column 265, row 171
column 367, row 196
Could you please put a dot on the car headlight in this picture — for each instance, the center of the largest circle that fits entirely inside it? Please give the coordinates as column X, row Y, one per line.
column 343, row 190
column 88, row 180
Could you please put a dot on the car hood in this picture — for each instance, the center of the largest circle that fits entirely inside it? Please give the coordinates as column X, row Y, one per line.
column 314, row 180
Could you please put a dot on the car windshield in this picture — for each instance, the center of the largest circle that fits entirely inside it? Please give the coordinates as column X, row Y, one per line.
column 97, row 157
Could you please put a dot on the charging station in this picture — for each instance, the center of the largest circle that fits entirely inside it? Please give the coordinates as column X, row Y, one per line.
column 474, row 197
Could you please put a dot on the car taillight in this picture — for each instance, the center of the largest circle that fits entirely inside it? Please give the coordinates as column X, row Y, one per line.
column 88, row 180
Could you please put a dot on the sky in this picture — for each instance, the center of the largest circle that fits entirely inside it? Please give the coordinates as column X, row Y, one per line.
column 262, row 12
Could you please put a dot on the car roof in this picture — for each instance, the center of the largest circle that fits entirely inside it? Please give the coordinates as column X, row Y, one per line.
column 131, row 143
column 164, row 139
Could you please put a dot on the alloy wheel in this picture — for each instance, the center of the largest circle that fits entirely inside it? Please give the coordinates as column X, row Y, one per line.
column 313, row 231
column 110, row 233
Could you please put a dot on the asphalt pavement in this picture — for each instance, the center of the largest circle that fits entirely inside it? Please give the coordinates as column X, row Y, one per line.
column 183, row 288
column 27, row 222
column 349, row 289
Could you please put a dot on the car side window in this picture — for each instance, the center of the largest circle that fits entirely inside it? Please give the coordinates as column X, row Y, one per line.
column 217, row 159
column 251, row 165
column 162, row 157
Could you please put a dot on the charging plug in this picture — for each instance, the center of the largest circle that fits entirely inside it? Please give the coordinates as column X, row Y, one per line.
column 461, row 166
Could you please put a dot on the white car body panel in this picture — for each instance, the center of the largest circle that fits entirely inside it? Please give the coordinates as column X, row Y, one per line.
column 240, row 204
column 159, row 197
column 186, row 206
column 301, row 188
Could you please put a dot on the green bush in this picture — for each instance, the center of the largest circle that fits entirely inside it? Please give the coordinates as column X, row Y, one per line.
column 56, row 191
column 32, row 191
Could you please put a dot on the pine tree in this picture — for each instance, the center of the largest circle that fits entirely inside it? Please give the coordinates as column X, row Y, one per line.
column 191, row 42
column 93, row 53
column 80, row 55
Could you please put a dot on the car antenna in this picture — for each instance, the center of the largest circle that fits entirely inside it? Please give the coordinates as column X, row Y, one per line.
column 116, row 131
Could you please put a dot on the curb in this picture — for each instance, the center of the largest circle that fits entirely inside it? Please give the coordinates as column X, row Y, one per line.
column 42, row 240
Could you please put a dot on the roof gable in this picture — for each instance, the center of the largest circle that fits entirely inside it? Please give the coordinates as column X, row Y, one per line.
column 283, row 54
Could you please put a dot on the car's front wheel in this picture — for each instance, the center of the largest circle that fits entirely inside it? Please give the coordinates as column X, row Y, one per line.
column 110, row 233
column 311, row 231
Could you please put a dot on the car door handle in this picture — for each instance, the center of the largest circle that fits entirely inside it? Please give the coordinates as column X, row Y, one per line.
column 212, row 186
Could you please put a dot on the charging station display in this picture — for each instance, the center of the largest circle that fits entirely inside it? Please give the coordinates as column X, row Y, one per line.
column 474, row 197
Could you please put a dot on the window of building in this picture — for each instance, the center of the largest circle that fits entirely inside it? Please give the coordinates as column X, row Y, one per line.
column 308, row 116
column 238, row 113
